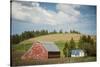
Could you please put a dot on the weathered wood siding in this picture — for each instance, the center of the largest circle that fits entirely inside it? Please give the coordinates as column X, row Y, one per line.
column 53, row 54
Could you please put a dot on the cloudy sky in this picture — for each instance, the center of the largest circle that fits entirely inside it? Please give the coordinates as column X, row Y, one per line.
column 27, row 16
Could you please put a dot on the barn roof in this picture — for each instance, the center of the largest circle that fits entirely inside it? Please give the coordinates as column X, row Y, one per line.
column 50, row 46
column 76, row 52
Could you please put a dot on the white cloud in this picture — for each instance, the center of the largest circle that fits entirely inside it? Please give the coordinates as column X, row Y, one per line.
column 70, row 11
column 18, row 11
column 35, row 4
column 37, row 14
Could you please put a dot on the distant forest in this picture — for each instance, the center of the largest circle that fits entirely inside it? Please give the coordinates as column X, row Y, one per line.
column 16, row 38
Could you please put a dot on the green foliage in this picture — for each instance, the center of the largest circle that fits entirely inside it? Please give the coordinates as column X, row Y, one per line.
column 54, row 32
column 73, row 31
column 60, row 31
column 25, row 35
column 72, row 44
column 65, row 49
column 66, row 32
column 87, row 43
column 15, row 39
column 86, row 39
column 68, row 47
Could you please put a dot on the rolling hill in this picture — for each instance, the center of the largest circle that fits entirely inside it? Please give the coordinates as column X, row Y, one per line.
column 54, row 38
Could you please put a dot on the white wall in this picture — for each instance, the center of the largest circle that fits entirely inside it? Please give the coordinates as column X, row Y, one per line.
column 81, row 54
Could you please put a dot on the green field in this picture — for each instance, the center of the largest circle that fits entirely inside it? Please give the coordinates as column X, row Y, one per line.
column 19, row 49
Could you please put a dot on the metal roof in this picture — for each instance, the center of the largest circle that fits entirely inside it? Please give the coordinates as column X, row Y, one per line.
column 50, row 46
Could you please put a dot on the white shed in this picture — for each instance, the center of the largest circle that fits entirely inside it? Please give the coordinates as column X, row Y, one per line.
column 77, row 53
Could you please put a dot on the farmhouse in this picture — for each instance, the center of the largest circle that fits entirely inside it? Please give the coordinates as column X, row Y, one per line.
column 77, row 53
column 42, row 51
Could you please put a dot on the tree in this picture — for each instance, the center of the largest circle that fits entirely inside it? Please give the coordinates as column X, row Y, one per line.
column 60, row 31
column 15, row 39
column 89, row 49
column 73, row 31
column 46, row 31
column 72, row 44
column 54, row 32
column 87, row 44
column 66, row 32
column 65, row 50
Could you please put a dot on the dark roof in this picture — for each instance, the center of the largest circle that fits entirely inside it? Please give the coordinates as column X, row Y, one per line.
column 50, row 46
column 76, row 52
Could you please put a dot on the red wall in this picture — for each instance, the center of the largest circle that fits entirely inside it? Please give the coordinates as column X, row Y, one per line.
column 37, row 51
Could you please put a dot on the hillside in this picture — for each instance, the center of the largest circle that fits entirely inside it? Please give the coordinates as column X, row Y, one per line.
column 54, row 37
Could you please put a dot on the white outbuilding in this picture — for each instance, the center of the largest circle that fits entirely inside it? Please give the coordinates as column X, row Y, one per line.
column 77, row 53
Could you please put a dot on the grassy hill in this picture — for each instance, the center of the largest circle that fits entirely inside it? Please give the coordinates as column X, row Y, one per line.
column 54, row 38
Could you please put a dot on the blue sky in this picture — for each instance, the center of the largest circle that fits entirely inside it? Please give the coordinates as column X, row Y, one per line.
column 27, row 16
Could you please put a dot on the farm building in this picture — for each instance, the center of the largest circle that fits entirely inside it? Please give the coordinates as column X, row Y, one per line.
column 77, row 53
column 42, row 51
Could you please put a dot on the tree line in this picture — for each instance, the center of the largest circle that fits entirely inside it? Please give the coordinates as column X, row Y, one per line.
column 85, row 43
column 74, row 31
column 16, row 38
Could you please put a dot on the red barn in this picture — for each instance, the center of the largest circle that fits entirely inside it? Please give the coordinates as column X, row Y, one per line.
column 42, row 51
